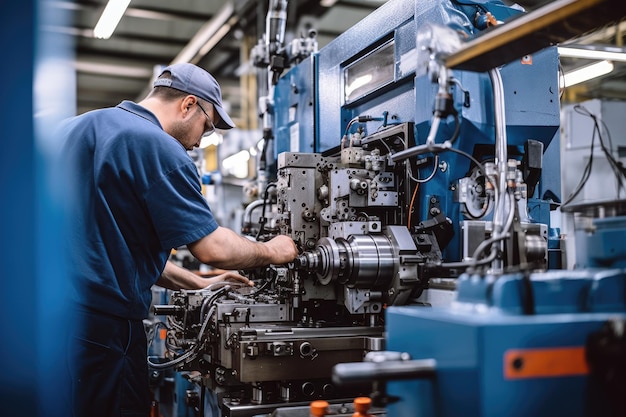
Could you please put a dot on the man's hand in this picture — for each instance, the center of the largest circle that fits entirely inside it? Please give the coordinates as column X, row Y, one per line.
column 228, row 276
column 283, row 249
column 176, row 278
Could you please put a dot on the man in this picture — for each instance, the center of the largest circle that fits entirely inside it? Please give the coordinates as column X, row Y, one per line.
column 134, row 195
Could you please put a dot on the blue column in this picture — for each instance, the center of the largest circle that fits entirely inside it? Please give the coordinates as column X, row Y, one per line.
column 18, row 238
column 31, row 255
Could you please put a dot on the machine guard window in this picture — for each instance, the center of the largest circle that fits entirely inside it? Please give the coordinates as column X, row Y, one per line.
column 369, row 73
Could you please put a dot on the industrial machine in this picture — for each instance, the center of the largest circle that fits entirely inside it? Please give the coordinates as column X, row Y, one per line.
column 421, row 202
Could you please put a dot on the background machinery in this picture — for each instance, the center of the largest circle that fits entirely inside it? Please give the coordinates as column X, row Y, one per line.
column 421, row 197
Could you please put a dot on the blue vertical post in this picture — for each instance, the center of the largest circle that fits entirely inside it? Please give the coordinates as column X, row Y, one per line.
column 32, row 380
column 17, row 212
column 54, row 86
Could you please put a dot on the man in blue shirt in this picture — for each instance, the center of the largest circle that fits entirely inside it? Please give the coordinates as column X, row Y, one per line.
column 134, row 194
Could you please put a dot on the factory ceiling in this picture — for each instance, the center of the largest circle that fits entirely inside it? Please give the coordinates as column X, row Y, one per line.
column 152, row 34
column 218, row 35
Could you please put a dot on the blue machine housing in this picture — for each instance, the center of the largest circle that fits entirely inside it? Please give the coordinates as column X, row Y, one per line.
column 497, row 320
column 311, row 113
column 476, row 341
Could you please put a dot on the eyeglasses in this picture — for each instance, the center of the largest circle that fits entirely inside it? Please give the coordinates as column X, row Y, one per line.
column 211, row 127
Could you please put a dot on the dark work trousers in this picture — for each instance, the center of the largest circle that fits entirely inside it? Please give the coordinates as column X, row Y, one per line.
column 108, row 366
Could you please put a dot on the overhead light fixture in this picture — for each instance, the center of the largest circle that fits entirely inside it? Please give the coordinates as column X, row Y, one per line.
column 113, row 12
column 209, row 35
column 115, row 70
column 587, row 72
column 596, row 53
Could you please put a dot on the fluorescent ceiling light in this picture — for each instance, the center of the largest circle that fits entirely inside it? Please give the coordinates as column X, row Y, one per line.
column 111, row 16
column 587, row 73
column 606, row 53
column 209, row 35
column 113, row 69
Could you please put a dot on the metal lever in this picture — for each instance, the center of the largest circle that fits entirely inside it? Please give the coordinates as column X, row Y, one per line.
column 167, row 310
column 383, row 370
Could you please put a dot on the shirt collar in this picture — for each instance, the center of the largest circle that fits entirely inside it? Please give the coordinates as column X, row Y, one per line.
column 140, row 111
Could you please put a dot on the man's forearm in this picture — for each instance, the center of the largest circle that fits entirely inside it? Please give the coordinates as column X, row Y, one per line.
column 176, row 278
column 223, row 248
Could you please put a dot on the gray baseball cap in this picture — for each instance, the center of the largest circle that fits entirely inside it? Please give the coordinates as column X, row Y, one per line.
column 196, row 81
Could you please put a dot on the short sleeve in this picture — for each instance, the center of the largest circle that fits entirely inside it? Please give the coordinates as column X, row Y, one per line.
column 177, row 208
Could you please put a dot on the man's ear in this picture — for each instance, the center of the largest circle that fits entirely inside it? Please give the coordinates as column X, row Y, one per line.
column 186, row 104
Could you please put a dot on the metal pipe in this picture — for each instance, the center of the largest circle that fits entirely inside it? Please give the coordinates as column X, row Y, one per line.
column 247, row 213
column 501, row 157
column 275, row 23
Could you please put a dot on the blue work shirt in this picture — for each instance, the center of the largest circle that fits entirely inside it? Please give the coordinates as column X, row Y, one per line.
column 134, row 194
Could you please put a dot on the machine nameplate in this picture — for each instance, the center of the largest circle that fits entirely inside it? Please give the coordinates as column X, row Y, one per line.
column 545, row 363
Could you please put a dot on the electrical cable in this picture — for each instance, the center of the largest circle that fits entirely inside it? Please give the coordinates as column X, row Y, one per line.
column 212, row 286
column 498, row 235
column 263, row 287
column 475, row 262
column 505, row 232
column 192, row 352
column 479, row 165
column 211, row 299
column 262, row 220
column 350, row 123
column 267, row 137
column 437, row 148
column 457, row 129
column 467, row 264
column 363, row 119
column 482, row 213
column 509, row 221
column 174, row 362
column 430, row 177
column 616, row 167
column 432, row 174
column 408, row 223
column 172, row 324
column 446, row 146
column 205, row 323
column 381, row 140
